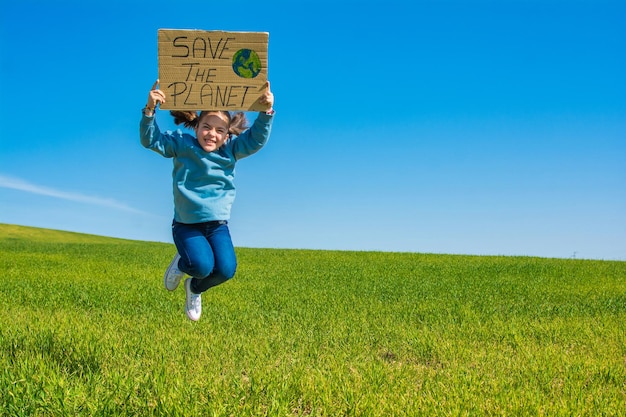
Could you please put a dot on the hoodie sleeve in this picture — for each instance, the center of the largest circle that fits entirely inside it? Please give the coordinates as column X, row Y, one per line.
column 253, row 139
column 152, row 138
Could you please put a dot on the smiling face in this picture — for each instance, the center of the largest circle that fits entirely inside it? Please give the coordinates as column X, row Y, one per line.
column 212, row 131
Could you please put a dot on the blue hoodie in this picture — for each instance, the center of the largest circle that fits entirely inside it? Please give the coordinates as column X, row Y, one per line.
column 204, row 188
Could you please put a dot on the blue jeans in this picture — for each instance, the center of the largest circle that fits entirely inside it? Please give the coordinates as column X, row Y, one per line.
column 206, row 253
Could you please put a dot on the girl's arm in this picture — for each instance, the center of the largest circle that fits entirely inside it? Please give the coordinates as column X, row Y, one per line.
column 149, row 132
column 256, row 137
column 253, row 139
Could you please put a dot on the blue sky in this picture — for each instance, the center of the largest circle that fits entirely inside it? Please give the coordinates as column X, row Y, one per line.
column 464, row 127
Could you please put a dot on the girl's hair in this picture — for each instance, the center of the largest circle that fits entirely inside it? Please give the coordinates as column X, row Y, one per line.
column 237, row 122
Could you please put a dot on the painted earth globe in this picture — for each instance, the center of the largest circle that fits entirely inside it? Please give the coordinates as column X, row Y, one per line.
column 246, row 63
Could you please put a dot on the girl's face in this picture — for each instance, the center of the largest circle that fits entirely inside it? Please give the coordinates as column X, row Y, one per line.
column 212, row 131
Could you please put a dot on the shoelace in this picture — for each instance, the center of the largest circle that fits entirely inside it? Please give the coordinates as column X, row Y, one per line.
column 195, row 301
column 176, row 275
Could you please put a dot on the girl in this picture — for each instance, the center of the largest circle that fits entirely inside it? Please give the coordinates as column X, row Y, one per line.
column 204, row 191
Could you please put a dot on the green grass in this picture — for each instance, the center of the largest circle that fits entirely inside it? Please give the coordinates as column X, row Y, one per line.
column 86, row 328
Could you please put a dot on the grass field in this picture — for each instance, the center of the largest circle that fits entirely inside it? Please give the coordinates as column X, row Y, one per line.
column 86, row 329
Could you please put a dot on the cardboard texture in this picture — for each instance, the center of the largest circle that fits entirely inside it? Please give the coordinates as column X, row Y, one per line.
column 212, row 70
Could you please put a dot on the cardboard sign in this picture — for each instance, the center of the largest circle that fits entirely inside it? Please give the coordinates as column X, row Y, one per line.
column 212, row 70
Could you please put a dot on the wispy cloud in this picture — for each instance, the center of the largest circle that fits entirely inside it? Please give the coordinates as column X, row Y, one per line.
column 21, row 185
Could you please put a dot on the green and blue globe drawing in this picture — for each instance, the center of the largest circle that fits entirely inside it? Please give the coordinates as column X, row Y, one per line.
column 246, row 63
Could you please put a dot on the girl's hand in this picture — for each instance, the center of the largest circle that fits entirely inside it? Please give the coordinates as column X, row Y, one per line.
column 155, row 97
column 267, row 98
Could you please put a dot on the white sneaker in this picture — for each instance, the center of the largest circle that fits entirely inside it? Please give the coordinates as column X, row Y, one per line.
column 173, row 275
column 193, row 302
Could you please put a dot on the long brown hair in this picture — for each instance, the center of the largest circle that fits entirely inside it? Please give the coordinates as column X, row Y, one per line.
column 237, row 122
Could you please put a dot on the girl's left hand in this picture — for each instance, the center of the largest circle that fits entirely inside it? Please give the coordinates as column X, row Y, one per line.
column 267, row 98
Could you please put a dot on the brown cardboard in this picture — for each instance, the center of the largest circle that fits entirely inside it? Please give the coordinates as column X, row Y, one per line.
column 196, row 69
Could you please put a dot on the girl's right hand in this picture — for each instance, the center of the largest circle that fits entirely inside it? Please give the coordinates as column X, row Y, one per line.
column 155, row 97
